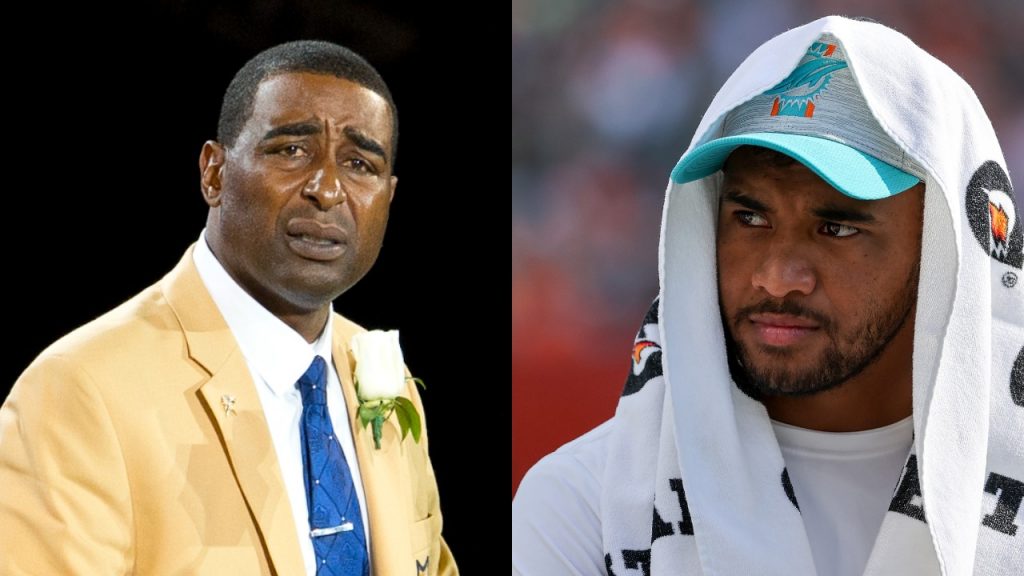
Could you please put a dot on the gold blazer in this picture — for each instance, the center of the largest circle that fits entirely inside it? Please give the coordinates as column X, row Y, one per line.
column 119, row 455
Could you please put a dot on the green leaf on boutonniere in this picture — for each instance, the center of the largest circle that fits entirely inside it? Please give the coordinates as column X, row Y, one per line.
column 366, row 414
column 404, row 405
column 418, row 381
column 378, row 429
column 403, row 418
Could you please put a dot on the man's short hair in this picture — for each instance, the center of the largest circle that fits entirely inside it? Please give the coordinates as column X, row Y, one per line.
column 314, row 56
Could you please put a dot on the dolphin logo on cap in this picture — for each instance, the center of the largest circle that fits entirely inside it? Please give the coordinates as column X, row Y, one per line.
column 797, row 93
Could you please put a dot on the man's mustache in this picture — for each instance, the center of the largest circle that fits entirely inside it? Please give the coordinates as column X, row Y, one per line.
column 788, row 307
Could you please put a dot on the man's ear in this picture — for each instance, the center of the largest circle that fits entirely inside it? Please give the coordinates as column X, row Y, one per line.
column 211, row 161
column 394, row 183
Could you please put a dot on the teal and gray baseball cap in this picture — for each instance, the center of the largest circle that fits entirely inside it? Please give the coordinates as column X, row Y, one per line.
column 817, row 116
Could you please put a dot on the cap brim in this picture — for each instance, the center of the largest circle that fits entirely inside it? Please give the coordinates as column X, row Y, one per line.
column 847, row 169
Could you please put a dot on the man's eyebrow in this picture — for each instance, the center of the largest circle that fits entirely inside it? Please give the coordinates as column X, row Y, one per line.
column 832, row 212
column 296, row 129
column 310, row 128
column 366, row 143
column 844, row 214
column 738, row 197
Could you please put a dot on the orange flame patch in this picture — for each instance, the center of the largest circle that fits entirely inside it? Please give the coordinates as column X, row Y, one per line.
column 1000, row 223
column 639, row 347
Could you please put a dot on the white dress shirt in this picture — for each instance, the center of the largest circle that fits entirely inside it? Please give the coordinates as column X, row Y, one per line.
column 277, row 356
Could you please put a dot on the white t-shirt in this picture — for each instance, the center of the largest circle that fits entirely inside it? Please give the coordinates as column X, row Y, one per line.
column 556, row 513
column 843, row 483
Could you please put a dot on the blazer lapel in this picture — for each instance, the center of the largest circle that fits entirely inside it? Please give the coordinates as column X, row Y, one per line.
column 234, row 409
column 385, row 481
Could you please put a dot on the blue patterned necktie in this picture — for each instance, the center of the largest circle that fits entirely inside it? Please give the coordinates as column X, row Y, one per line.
column 336, row 524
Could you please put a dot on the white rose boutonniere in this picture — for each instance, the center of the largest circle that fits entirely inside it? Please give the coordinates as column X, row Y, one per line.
column 380, row 379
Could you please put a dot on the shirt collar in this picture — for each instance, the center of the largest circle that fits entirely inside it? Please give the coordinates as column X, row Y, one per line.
column 276, row 352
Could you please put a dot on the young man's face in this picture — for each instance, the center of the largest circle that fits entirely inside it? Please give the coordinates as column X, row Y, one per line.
column 814, row 286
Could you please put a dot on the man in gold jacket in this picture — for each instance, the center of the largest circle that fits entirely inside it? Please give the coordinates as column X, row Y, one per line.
column 150, row 441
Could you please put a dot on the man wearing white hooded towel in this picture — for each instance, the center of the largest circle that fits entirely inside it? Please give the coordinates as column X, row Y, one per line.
column 831, row 380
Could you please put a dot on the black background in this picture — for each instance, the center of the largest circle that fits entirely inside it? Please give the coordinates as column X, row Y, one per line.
column 106, row 114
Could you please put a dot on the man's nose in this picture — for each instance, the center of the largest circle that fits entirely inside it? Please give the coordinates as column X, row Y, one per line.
column 324, row 187
column 785, row 268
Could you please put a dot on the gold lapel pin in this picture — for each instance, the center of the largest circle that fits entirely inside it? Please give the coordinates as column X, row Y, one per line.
column 228, row 402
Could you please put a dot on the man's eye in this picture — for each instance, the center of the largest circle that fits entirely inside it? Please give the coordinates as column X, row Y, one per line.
column 292, row 150
column 838, row 230
column 751, row 218
column 360, row 165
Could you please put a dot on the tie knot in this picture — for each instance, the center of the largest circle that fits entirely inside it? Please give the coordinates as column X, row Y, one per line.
column 312, row 384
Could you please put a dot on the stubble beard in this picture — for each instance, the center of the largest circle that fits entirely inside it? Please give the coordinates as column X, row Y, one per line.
column 837, row 364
